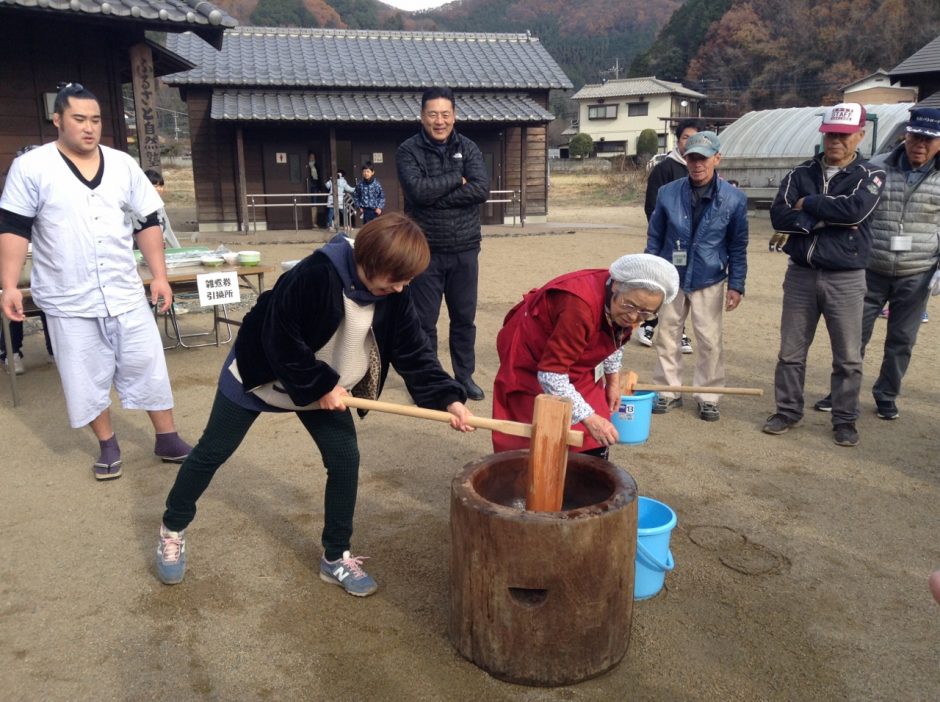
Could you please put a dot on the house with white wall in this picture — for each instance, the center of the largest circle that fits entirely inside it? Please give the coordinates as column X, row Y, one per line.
column 615, row 112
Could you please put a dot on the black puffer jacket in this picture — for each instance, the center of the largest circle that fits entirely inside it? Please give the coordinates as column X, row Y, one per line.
column 446, row 208
column 832, row 231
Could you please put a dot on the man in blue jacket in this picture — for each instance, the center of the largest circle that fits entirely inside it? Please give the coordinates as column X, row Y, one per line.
column 445, row 180
column 700, row 224
column 824, row 204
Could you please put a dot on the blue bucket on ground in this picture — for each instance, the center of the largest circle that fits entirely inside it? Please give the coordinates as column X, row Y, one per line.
column 655, row 522
column 633, row 416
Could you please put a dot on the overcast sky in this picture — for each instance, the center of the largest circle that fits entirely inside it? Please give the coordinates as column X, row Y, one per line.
column 415, row 4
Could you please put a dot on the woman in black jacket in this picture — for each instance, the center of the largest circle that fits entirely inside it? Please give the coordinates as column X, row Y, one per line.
column 330, row 327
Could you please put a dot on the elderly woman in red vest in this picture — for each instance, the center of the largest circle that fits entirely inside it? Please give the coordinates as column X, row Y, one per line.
column 565, row 339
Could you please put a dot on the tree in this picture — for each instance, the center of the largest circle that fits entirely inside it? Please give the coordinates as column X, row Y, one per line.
column 647, row 144
column 581, row 145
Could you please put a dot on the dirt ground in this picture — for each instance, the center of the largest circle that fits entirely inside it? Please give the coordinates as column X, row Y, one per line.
column 801, row 567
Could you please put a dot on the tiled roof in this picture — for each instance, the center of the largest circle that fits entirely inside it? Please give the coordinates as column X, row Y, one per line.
column 246, row 105
column 170, row 12
column 338, row 58
column 930, row 101
column 629, row 87
column 925, row 60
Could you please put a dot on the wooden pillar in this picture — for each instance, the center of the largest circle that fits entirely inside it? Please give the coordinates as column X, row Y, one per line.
column 337, row 197
column 242, row 182
column 523, row 173
column 145, row 103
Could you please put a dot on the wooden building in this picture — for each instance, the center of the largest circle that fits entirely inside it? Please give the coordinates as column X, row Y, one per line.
column 273, row 95
column 47, row 42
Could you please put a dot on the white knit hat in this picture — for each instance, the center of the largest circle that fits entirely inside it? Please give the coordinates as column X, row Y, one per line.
column 647, row 271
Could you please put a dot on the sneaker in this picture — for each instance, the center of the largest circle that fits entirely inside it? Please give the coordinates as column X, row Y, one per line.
column 824, row 405
column 18, row 367
column 171, row 556
column 708, row 411
column 845, row 434
column 925, row 318
column 887, row 409
column 780, row 424
column 665, row 404
column 686, row 345
column 646, row 335
column 347, row 572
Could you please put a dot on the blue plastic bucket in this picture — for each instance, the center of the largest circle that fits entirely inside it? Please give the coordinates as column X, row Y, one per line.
column 633, row 416
column 655, row 522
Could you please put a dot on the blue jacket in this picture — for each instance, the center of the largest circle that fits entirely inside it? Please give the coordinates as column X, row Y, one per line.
column 369, row 195
column 717, row 249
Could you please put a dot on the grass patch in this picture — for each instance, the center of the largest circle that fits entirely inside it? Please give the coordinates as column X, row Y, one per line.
column 597, row 189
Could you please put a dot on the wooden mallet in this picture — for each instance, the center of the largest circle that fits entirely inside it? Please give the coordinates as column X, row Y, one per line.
column 630, row 384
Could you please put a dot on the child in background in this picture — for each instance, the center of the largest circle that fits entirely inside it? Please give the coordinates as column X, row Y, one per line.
column 343, row 188
column 169, row 238
column 370, row 198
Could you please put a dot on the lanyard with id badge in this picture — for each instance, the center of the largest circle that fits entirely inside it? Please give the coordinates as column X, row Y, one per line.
column 679, row 257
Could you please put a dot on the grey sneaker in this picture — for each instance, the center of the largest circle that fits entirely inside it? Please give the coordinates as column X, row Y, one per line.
column 887, row 409
column 780, row 424
column 824, row 405
column 347, row 572
column 171, row 556
column 845, row 434
column 665, row 404
column 646, row 335
column 686, row 344
column 708, row 411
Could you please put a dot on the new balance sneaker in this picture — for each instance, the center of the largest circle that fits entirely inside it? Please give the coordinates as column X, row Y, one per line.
column 666, row 404
column 845, row 434
column 686, row 344
column 171, row 556
column 780, row 424
column 887, row 409
column 708, row 411
column 646, row 335
column 347, row 572
column 824, row 405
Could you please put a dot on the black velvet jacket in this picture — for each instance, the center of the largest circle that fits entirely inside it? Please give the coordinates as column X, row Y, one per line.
column 290, row 322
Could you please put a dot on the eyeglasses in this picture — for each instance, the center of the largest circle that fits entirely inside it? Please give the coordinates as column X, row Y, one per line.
column 634, row 311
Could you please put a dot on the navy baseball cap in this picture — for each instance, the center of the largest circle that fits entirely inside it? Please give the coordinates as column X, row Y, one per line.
column 924, row 120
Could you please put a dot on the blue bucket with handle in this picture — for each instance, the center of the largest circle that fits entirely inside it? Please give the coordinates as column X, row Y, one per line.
column 633, row 416
column 655, row 522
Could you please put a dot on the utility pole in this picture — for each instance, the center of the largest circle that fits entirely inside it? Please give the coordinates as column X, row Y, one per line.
column 615, row 69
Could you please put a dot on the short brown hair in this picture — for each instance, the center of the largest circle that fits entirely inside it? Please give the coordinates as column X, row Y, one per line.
column 392, row 245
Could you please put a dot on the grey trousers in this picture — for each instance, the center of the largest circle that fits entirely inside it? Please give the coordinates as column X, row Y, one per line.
column 838, row 296
column 908, row 299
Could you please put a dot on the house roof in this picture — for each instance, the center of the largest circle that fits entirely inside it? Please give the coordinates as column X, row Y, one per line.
column 339, row 58
column 630, row 87
column 925, row 60
column 308, row 106
column 200, row 16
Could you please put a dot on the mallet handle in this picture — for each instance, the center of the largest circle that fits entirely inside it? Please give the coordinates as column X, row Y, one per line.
column 757, row 392
column 574, row 438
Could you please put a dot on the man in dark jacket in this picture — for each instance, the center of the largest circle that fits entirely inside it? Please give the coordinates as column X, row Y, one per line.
column 669, row 169
column 444, row 180
column 824, row 204
column 905, row 251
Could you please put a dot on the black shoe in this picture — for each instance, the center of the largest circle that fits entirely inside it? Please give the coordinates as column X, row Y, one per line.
column 887, row 409
column 845, row 434
column 824, row 405
column 474, row 391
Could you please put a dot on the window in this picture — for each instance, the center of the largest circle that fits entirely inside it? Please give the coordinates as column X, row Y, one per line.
column 638, row 109
column 602, row 112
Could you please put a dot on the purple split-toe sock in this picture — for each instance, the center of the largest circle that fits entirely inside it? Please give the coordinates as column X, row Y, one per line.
column 171, row 448
column 108, row 465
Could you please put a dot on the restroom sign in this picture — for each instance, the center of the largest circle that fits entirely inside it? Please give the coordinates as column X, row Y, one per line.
column 280, row 157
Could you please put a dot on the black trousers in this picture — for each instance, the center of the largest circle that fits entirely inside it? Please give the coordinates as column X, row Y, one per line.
column 335, row 437
column 453, row 277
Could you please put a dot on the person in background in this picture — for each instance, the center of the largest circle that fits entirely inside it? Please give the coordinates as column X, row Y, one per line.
column 559, row 337
column 825, row 205
column 72, row 199
column 905, row 253
column 312, row 178
column 671, row 168
column 445, row 180
column 700, row 225
column 369, row 197
column 330, row 328
column 343, row 187
column 169, row 238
